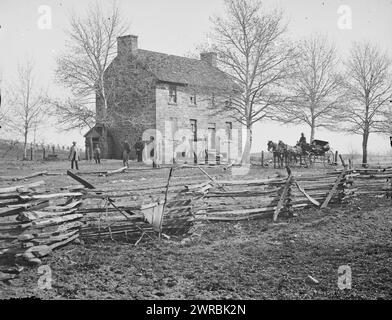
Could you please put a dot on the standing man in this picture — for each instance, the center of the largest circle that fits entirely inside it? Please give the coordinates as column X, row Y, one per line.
column 153, row 152
column 74, row 156
column 97, row 154
column 125, row 155
column 139, row 145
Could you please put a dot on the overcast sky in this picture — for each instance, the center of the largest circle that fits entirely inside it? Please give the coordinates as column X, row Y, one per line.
column 175, row 27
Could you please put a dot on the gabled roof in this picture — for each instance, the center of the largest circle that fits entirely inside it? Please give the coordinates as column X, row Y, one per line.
column 187, row 71
column 95, row 131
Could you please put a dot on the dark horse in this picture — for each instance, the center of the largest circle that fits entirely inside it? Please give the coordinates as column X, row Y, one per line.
column 291, row 154
column 277, row 153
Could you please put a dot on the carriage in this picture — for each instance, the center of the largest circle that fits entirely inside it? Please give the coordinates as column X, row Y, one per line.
column 302, row 154
column 319, row 150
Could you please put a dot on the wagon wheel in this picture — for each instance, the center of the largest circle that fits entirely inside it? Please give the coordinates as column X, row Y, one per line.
column 312, row 159
column 329, row 156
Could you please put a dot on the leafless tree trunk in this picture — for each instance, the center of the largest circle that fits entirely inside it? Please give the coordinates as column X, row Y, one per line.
column 2, row 108
column 314, row 91
column 248, row 41
column 91, row 47
column 368, row 91
column 26, row 102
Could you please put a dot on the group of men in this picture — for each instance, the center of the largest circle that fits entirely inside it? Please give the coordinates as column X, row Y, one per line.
column 74, row 153
column 138, row 146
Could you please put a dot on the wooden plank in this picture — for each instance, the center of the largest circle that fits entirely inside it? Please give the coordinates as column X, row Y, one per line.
column 108, row 173
column 333, row 190
column 64, row 242
column 80, row 180
column 315, row 202
column 251, row 182
column 16, row 209
column 54, row 238
column 45, row 230
column 53, row 221
column 6, row 212
column 33, row 175
column 51, row 196
column 25, row 186
column 65, row 207
column 216, row 194
column 8, row 196
column 35, row 215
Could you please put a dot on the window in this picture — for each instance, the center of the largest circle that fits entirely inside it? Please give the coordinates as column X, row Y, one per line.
column 174, row 125
column 194, row 129
column 192, row 99
column 229, row 128
column 211, row 135
column 172, row 94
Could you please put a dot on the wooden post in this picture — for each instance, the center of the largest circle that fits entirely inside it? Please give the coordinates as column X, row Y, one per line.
column 336, row 157
column 341, row 159
column 31, row 151
column 80, row 180
column 43, row 152
column 165, row 201
column 334, row 188
column 285, row 192
column 262, row 158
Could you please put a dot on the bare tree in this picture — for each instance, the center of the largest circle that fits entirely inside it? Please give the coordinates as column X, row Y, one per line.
column 368, row 90
column 91, row 47
column 26, row 102
column 384, row 125
column 71, row 113
column 250, row 47
column 2, row 108
column 315, row 88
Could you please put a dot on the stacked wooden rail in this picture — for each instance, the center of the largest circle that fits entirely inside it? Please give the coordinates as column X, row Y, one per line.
column 372, row 181
column 230, row 200
column 120, row 213
column 34, row 222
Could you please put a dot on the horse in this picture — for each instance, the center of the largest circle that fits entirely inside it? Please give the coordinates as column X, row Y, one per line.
column 277, row 153
column 287, row 153
column 303, row 150
column 291, row 154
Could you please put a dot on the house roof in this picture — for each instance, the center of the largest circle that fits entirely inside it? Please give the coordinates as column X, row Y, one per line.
column 187, row 71
column 94, row 132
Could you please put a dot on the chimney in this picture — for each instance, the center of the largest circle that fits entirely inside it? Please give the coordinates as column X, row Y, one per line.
column 210, row 58
column 127, row 45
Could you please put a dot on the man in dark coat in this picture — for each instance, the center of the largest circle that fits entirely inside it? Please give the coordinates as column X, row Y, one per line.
column 302, row 140
column 139, row 145
column 125, row 155
column 97, row 154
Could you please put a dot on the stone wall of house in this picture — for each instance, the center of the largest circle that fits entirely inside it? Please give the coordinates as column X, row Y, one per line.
column 130, row 88
column 203, row 112
column 139, row 107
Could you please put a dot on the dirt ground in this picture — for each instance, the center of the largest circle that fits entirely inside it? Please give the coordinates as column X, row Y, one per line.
column 223, row 260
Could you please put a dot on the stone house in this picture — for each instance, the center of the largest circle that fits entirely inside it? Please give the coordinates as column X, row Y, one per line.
column 172, row 98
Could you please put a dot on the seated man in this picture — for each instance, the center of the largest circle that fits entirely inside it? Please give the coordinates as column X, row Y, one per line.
column 302, row 140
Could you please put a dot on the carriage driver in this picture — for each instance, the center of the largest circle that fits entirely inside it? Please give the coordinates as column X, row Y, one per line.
column 302, row 140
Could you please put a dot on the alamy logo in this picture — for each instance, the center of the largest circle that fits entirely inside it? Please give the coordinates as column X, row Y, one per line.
column 45, row 280
column 344, row 277
column 45, row 17
column 345, row 17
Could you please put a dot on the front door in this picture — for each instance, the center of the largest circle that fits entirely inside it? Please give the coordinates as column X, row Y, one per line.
column 211, row 136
